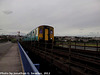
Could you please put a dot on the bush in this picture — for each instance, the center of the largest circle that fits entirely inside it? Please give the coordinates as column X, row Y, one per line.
column 13, row 40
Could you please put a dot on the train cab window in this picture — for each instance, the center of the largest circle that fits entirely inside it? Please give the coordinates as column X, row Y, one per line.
column 51, row 32
column 40, row 31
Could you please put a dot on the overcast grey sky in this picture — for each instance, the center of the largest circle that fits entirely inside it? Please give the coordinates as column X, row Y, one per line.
column 68, row 17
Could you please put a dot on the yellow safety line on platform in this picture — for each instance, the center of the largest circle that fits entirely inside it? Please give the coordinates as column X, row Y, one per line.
column 21, row 60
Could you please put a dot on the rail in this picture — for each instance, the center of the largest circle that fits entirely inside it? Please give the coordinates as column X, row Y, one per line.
column 29, row 67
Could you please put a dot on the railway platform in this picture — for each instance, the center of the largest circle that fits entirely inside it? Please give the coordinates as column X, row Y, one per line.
column 10, row 59
column 15, row 61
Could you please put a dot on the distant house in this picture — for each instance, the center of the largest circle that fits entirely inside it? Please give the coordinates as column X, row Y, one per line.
column 96, row 38
column 65, row 38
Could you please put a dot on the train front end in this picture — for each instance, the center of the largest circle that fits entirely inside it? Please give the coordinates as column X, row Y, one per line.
column 46, row 33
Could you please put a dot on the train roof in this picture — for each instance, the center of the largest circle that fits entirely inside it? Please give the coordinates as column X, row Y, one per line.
column 45, row 26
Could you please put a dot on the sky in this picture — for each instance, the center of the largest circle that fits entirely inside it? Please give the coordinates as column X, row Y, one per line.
column 68, row 17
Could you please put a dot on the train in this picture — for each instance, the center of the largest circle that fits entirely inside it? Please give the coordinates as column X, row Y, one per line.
column 41, row 33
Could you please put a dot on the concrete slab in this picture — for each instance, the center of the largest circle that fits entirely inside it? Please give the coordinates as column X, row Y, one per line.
column 10, row 62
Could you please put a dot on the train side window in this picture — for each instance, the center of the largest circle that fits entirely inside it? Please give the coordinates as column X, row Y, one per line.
column 51, row 32
column 40, row 31
column 33, row 32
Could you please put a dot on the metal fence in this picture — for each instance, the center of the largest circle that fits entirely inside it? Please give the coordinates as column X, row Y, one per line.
column 29, row 67
column 75, row 57
column 94, row 46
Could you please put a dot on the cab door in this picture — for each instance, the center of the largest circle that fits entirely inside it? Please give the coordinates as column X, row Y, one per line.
column 46, row 34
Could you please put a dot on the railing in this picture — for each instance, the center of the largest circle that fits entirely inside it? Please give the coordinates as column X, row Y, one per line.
column 93, row 46
column 28, row 66
column 72, row 60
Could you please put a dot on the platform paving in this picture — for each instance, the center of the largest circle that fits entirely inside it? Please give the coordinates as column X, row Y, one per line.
column 11, row 62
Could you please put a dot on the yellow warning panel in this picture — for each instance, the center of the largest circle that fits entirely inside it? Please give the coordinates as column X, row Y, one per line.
column 46, row 34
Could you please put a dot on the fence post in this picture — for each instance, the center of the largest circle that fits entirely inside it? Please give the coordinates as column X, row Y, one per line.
column 51, row 61
column 63, row 44
column 84, row 45
column 69, row 73
column 97, row 45
column 75, row 44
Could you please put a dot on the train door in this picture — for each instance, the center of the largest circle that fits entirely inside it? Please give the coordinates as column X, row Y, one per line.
column 46, row 34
